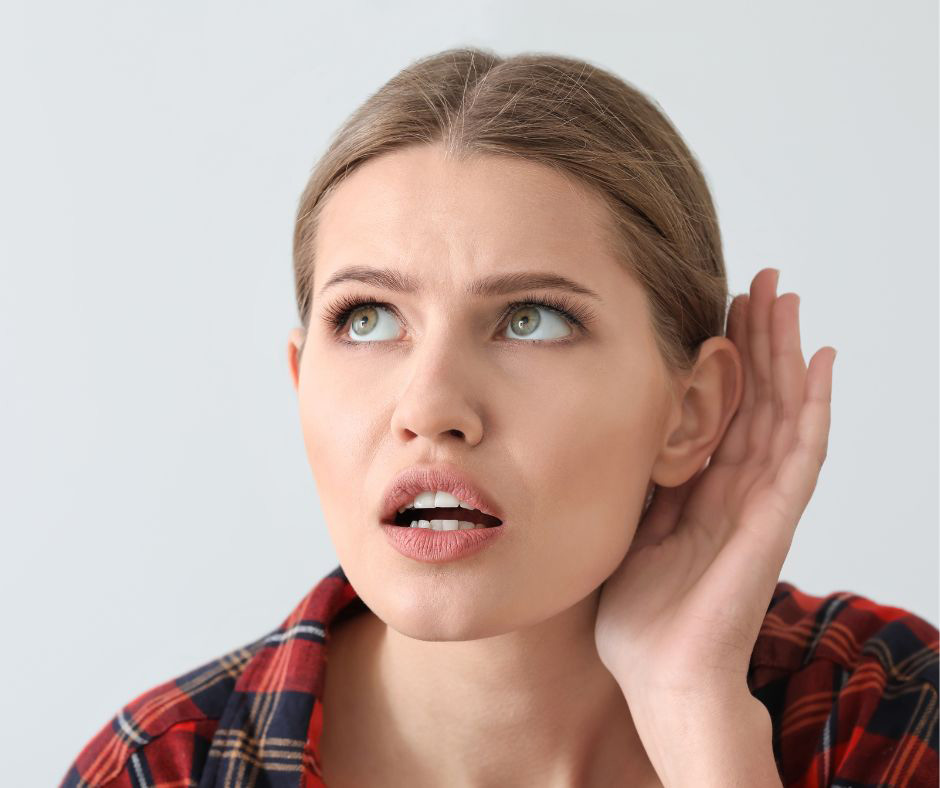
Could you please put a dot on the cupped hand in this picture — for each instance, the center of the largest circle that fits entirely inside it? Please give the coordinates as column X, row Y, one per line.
column 682, row 612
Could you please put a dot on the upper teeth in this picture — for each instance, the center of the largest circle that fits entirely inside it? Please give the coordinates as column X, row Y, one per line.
column 433, row 500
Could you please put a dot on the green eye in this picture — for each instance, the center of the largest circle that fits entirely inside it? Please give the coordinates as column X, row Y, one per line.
column 527, row 321
column 365, row 320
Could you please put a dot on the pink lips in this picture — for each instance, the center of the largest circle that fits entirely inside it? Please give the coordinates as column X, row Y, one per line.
column 435, row 547
column 426, row 544
column 442, row 476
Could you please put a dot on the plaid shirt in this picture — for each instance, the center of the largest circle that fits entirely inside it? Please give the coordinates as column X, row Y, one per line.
column 851, row 687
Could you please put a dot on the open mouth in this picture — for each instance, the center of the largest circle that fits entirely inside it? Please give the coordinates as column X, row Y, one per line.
column 444, row 513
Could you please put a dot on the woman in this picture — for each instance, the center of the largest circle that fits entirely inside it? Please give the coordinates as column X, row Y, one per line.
column 513, row 315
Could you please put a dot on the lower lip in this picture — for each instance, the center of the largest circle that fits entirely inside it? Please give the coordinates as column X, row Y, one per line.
column 438, row 547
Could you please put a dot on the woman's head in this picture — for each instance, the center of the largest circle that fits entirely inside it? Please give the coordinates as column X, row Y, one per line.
column 462, row 168
column 580, row 120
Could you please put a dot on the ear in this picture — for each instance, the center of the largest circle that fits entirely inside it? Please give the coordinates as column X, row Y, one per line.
column 708, row 398
column 295, row 345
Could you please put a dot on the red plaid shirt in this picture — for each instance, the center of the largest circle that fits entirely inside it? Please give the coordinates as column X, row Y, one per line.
column 851, row 687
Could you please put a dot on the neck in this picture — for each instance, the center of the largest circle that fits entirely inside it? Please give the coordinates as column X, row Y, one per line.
column 530, row 707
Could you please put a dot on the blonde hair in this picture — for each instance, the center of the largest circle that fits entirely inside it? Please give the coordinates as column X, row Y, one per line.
column 585, row 123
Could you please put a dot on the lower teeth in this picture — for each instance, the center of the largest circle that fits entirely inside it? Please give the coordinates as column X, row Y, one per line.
column 446, row 525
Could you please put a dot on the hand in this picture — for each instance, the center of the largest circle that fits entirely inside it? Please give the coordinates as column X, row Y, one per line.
column 680, row 615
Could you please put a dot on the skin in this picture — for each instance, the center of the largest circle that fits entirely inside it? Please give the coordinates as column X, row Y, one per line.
column 566, row 437
column 678, row 620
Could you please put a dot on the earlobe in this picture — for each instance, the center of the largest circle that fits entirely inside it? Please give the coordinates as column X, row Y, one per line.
column 294, row 345
column 650, row 491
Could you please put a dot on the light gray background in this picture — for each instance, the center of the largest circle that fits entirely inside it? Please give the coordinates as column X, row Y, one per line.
column 157, row 504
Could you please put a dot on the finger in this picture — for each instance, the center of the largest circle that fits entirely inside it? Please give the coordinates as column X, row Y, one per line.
column 763, row 295
column 799, row 471
column 789, row 374
column 756, row 552
column 733, row 446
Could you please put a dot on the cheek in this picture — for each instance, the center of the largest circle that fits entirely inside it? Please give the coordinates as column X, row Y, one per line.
column 336, row 440
column 584, row 457
column 589, row 451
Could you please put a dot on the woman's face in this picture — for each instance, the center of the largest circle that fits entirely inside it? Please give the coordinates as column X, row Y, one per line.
column 561, row 434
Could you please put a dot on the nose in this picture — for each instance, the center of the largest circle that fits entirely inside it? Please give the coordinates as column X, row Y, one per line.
column 439, row 399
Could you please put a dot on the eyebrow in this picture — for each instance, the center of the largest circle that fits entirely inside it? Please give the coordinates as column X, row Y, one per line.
column 493, row 285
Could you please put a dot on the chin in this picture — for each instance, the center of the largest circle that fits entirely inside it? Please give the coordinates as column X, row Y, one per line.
column 424, row 617
column 439, row 633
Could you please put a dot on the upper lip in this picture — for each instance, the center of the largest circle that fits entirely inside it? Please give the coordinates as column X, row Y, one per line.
column 403, row 489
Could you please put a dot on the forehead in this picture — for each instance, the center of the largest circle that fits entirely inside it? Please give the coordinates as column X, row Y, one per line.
column 446, row 220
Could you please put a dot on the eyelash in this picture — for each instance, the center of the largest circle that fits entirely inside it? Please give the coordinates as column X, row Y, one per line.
column 339, row 312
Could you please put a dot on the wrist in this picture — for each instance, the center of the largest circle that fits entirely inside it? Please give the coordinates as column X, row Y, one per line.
column 706, row 739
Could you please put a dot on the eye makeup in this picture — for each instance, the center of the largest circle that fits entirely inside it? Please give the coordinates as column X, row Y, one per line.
column 336, row 314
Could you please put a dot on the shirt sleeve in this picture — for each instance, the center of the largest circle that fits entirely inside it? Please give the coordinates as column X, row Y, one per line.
column 881, row 729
